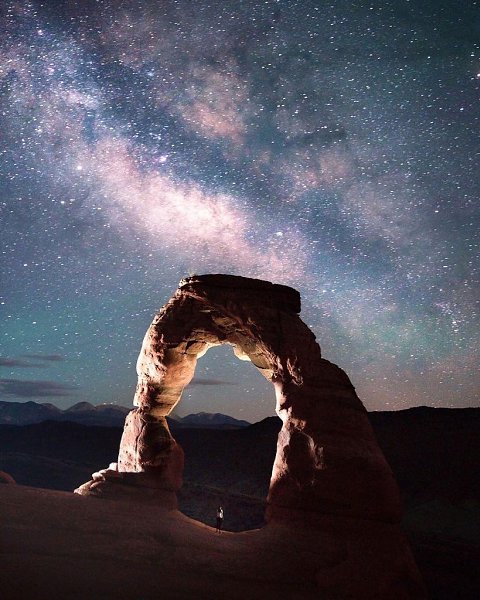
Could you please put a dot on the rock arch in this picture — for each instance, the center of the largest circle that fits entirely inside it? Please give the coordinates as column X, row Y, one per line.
column 327, row 462
column 333, row 507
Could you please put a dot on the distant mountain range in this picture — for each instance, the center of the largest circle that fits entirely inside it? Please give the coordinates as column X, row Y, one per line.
column 206, row 420
column 84, row 413
column 106, row 415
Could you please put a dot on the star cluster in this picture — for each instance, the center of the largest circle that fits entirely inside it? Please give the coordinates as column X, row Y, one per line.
column 329, row 146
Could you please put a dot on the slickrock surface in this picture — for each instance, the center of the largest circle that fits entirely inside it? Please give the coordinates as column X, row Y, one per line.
column 328, row 470
column 62, row 545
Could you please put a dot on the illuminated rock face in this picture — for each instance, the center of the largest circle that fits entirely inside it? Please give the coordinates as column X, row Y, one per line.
column 331, row 489
column 327, row 462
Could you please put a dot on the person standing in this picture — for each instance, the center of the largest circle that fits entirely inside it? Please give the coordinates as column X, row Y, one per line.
column 219, row 519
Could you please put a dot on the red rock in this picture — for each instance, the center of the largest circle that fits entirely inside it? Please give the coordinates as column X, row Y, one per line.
column 327, row 460
column 328, row 467
column 6, row 478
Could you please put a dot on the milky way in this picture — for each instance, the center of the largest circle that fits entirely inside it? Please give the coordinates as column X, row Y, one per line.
column 329, row 146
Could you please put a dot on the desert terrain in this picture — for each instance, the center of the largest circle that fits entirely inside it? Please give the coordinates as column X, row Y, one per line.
column 54, row 540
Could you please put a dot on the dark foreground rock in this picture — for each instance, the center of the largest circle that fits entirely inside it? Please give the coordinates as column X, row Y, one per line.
column 56, row 544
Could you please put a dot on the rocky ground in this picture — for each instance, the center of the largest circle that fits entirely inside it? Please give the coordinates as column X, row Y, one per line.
column 60, row 545
column 434, row 454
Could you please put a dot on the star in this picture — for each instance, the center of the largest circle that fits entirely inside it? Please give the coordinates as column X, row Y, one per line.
column 328, row 148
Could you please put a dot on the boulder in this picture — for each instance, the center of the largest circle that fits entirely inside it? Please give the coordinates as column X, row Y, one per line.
column 6, row 478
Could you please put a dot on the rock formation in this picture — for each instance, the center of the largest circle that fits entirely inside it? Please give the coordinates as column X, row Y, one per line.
column 328, row 472
column 6, row 478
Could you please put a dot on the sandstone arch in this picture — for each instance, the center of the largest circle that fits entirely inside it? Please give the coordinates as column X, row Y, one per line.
column 327, row 461
column 329, row 475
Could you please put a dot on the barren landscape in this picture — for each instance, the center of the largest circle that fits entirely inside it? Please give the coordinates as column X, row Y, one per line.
column 54, row 540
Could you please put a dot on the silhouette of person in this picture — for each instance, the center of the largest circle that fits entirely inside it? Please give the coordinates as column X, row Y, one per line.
column 219, row 519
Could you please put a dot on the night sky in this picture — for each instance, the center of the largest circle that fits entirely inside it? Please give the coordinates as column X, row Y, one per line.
column 330, row 146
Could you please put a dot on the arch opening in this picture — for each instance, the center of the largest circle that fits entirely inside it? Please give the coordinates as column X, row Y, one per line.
column 223, row 383
column 227, row 465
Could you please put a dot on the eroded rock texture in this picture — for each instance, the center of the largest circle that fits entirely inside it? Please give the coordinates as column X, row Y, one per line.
column 327, row 458
column 328, row 471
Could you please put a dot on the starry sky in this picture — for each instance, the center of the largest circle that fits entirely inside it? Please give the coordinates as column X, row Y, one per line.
column 331, row 146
